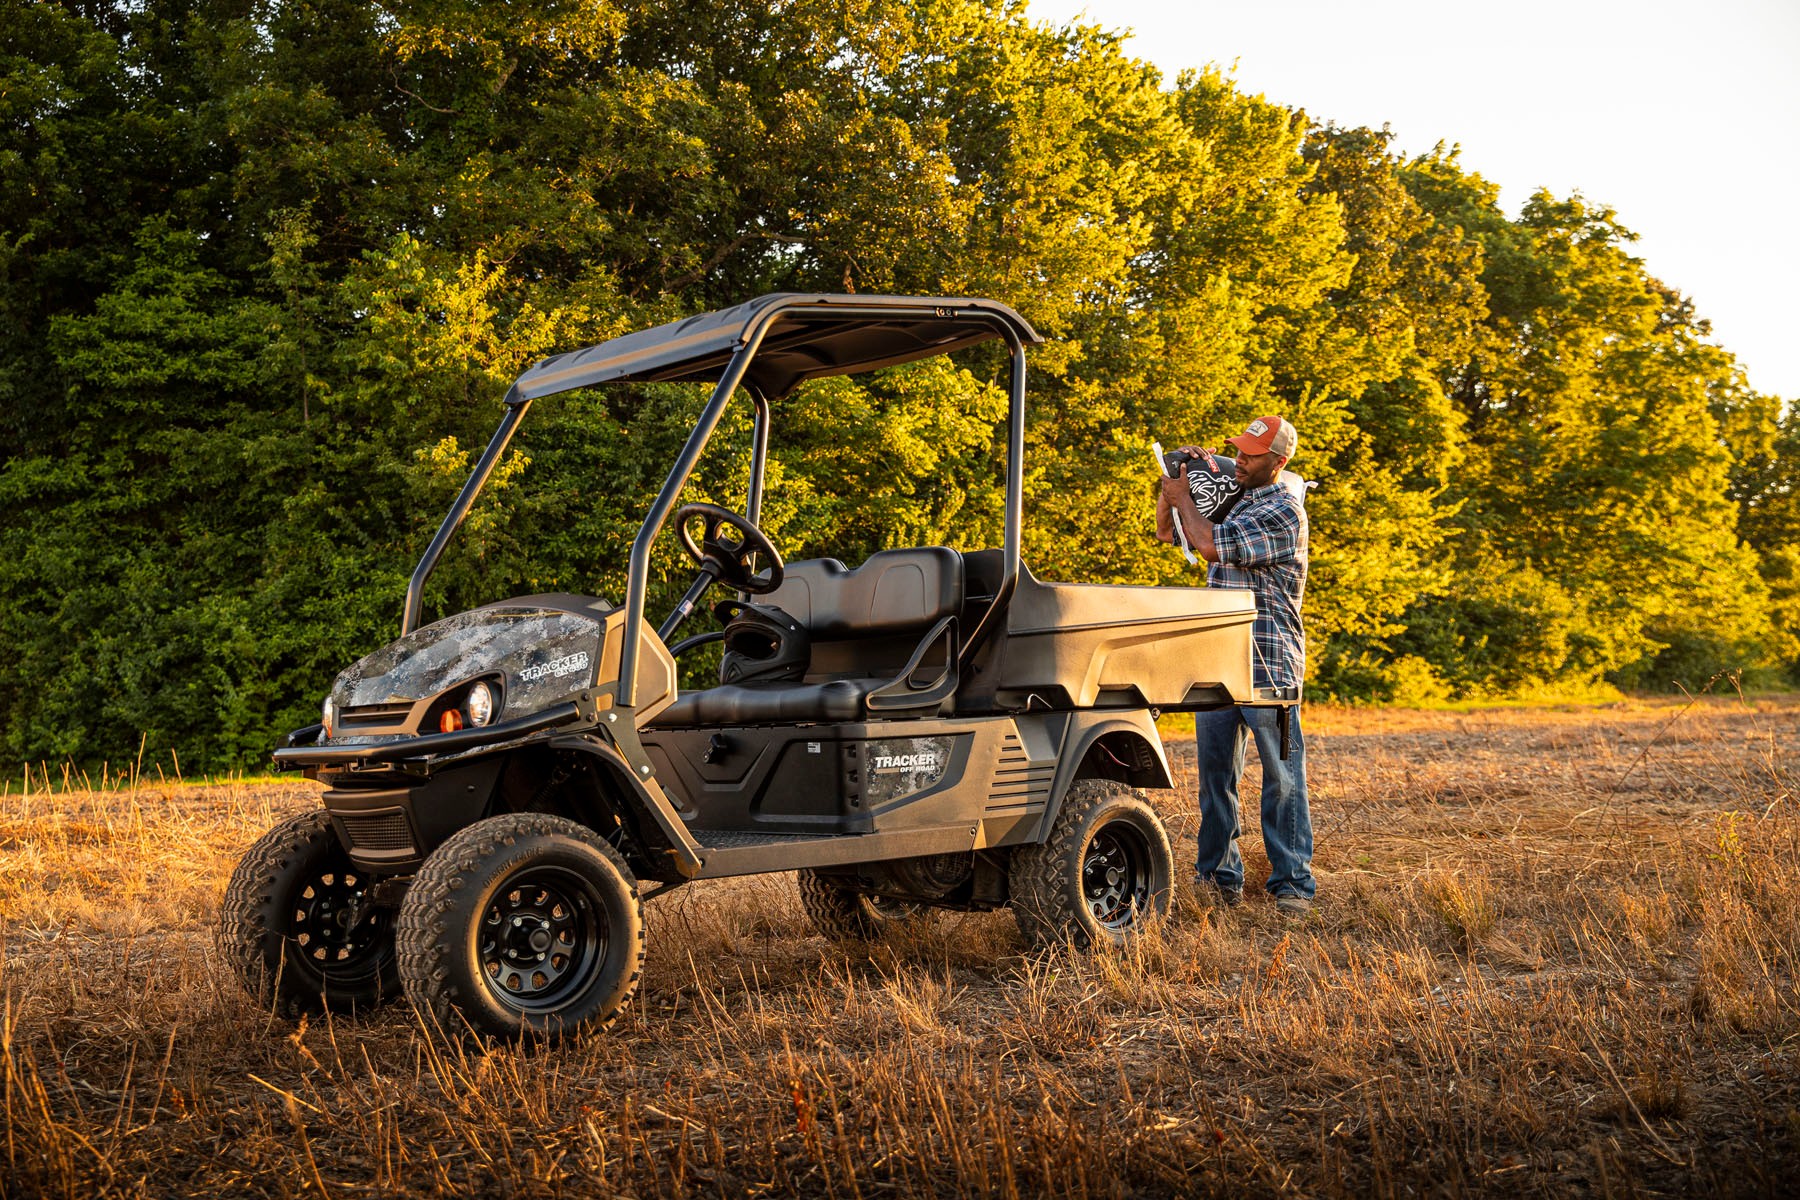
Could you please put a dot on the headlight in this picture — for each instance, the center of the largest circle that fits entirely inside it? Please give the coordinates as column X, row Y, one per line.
column 480, row 704
column 328, row 716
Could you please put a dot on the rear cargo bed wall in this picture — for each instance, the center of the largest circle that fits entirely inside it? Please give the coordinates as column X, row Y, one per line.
column 1091, row 645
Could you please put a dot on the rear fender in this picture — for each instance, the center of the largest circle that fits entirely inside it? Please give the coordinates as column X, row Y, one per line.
column 1124, row 746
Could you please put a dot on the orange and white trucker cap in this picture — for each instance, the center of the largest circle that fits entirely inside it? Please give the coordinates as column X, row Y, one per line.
column 1267, row 434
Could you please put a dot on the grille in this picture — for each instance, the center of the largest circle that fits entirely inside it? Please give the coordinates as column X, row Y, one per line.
column 377, row 831
column 375, row 714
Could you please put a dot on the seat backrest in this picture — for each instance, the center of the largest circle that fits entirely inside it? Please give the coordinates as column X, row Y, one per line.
column 893, row 593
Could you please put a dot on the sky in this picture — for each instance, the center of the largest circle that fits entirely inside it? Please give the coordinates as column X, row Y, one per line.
column 1684, row 118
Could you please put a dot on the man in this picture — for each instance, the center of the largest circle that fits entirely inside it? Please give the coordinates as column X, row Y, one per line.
column 1261, row 545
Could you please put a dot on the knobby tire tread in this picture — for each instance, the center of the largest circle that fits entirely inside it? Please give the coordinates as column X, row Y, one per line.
column 1044, row 901
column 844, row 915
column 834, row 910
column 247, row 911
column 423, row 933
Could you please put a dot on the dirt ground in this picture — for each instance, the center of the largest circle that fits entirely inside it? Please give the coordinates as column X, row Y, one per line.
column 1556, row 952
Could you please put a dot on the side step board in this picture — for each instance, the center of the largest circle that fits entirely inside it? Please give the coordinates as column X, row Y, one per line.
column 732, row 852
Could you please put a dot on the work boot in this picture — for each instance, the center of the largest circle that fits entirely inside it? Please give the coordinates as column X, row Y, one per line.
column 1215, row 895
column 1296, row 908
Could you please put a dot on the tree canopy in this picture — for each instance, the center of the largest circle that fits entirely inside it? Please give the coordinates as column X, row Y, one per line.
column 267, row 267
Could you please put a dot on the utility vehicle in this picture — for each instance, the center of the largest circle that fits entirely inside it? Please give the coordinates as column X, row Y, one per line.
column 933, row 728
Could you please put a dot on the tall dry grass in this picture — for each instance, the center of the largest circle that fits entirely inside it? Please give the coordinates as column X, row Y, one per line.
column 1555, row 952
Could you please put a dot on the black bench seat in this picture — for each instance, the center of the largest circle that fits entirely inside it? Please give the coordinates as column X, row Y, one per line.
column 770, row 703
column 865, row 624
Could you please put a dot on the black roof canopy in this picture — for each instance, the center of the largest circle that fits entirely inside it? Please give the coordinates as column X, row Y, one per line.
column 804, row 337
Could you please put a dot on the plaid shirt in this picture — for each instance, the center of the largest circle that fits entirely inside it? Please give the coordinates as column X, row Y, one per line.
column 1262, row 546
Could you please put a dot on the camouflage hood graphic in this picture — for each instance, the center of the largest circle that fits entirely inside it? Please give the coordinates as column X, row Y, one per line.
column 541, row 655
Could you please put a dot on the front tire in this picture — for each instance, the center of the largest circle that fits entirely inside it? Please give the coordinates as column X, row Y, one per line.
column 295, row 927
column 1104, row 873
column 523, row 923
column 848, row 916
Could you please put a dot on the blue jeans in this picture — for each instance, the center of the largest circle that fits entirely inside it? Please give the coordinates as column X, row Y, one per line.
column 1223, row 737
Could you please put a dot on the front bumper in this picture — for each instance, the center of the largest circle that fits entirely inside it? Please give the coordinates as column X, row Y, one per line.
column 431, row 745
column 392, row 803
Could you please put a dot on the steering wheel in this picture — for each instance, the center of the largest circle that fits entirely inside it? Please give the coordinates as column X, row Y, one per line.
column 727, row 544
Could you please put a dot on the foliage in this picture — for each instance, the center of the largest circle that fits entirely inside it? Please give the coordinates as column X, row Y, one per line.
column 267, row 268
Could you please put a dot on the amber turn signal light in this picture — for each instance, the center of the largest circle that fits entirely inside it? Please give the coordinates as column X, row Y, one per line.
column 451, row 721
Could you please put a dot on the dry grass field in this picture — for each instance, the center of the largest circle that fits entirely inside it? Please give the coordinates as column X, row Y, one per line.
column 1557, row 952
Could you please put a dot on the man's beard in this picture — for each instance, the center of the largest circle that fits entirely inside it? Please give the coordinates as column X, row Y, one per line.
column 1267, row 476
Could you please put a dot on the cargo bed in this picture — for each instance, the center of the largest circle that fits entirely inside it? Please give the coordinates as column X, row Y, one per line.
column 1083, row 645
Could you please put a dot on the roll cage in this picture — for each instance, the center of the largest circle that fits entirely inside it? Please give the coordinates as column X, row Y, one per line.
column 767, row 347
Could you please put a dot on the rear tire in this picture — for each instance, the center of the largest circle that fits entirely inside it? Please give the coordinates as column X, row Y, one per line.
column 524, row 923
column 1105, row 872
column 293, row 928
column 848, row 916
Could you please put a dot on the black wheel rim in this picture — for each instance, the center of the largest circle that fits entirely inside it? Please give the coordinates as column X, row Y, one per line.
column 1116, row 879
column 337, row 931
column 542, row 939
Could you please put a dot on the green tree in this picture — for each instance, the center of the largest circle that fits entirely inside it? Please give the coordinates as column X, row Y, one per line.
column 267, row 268
column 1596, row 459
column 1764, row 438
column 1412, row 304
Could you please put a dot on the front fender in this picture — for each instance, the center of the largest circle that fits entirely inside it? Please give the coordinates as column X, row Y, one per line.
column 644, row 794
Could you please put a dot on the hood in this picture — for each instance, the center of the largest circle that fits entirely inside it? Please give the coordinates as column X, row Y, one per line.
column 540, row 649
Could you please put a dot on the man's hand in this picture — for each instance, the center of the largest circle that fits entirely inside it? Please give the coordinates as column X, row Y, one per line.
column 1176, row 503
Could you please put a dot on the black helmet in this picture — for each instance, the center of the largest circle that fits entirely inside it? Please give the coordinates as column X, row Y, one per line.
column 762, row 644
